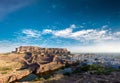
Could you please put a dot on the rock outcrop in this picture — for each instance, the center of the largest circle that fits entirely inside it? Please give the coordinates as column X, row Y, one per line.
column 14, row 76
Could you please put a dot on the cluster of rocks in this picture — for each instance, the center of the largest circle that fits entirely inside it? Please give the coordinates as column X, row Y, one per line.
column 11, row 78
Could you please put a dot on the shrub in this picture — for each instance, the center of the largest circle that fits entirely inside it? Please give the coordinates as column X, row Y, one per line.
column 4, row 72
column 99, row 71
column 5, row 68
column 85, row 68
column 36, row 79
column 42, row 79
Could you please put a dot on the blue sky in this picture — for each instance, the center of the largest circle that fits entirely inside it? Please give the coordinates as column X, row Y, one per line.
column 79, row 25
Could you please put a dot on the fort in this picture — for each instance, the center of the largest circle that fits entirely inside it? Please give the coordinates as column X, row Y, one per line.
column 36, row 49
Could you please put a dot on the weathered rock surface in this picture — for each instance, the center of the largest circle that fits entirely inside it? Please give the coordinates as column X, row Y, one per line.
column 14, row 76
column 17, row 75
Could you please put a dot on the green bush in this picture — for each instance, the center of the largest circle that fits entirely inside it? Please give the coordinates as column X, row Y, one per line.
column 39, row 79
column 5, row 69
column 4, row 72
column 96, row 68
column 42, row 79
column 85, row 68
column 99, row 71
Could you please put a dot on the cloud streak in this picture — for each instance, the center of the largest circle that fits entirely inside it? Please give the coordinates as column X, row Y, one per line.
column 31, row 33
column 8, row 6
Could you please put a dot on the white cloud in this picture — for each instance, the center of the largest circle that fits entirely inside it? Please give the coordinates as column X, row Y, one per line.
column 47, row 31
column 31, row 33
column 117, row 33
column 25, row 37
column 95, row 48
column 86, row 35
column 60, row 33
column 7, row 46
column 104, row 26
